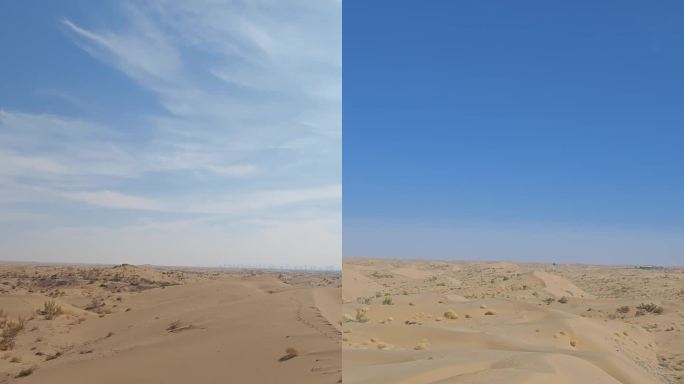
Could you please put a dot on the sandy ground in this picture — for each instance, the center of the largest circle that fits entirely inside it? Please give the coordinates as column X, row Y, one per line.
column 478, row 322
column 130, row 324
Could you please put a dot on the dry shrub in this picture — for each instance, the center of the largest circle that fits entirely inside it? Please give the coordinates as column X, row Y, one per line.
column 10, row 332
column 623, row 309
column 420, row 346
column 50, row 310
column 563, row 300
column 387, row 301
column 651, row 308
column 362, row 315
column 25, row 372
column 450, row 315
column 52, row 357
column 94, row 305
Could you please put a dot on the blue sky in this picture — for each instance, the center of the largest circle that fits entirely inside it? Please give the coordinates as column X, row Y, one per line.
column 170, row 132
column 534, row 130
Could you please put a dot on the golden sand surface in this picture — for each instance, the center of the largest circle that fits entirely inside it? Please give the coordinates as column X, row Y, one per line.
column 142, row 324
column 419, row 321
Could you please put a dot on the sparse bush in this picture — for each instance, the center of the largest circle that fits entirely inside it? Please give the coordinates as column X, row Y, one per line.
column 623, row 309
column 50, row 310
column 563, row 300
column 651, row 308
column 548, row 300
column 387, row 301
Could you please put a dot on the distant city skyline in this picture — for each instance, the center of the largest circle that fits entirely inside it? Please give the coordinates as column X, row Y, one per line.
column 545, row 131
column 171, row 133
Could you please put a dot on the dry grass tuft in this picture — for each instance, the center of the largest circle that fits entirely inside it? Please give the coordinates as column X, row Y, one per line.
column 10, row 332
column 50, row 310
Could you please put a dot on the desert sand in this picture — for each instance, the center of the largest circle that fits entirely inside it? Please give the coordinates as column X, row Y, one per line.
column 141, row 324
column 411, row 321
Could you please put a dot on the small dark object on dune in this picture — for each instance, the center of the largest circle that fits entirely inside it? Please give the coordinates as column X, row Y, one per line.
column 177, row 326
column 289, row 354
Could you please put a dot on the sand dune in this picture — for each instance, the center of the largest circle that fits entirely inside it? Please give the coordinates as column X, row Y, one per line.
column 133, row 324
column 559, row 287
column 510, row 323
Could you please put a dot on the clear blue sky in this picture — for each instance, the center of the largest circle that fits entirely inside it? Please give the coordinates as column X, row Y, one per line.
column 171, row 132
column 533, row 130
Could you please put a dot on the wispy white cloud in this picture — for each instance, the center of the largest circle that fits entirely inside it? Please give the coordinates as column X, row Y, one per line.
column 110, row 199
column 249, row 128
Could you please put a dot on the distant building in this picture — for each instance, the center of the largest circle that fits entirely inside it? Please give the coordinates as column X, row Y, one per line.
column 649, row 267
